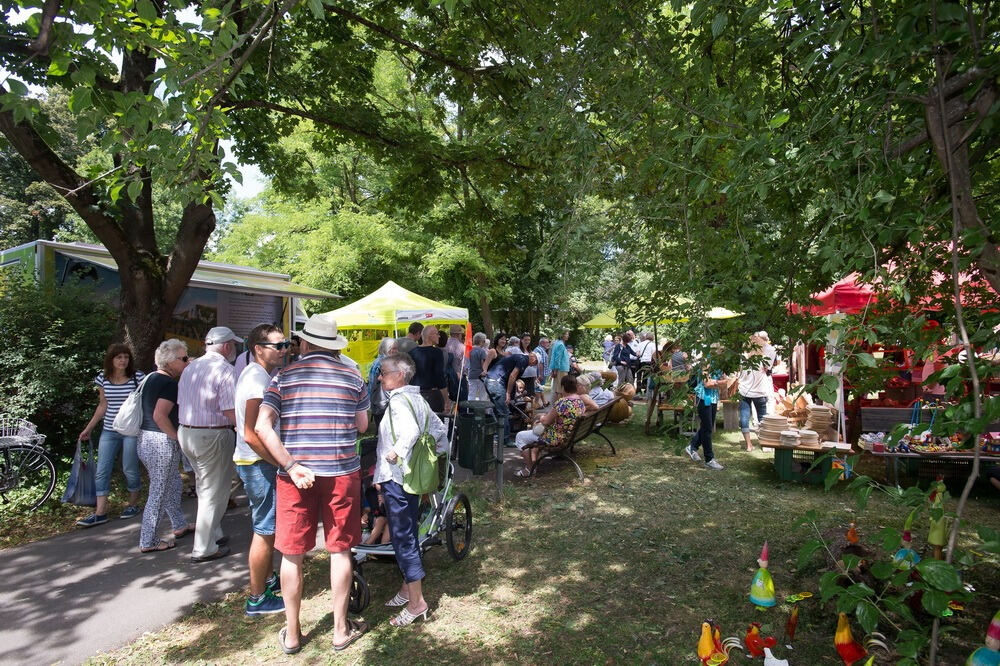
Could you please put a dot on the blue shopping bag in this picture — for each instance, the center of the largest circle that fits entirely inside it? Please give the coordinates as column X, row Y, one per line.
column 81, row 489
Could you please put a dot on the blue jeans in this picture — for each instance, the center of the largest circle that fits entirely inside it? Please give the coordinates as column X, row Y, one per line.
column 107, row 451
column 498, row 394
column 403, row 512
column 258, row 481
column 706, row 423
column 759, row 404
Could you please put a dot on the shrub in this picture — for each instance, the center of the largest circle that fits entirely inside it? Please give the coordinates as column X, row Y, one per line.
column 54, row 342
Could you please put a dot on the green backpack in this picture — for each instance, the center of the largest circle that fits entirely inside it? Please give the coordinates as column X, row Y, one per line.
column 420, row 476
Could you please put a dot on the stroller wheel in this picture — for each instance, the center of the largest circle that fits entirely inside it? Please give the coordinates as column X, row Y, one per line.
column 458, row 526
column 361, row 596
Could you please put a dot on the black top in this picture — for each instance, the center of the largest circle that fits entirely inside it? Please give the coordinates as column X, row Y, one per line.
column 158, row 386
column 430, row 363
column 502, row 368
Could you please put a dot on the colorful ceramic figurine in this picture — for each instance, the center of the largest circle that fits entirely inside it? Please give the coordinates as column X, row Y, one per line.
column 755, row 643
column 762, row 586
column 848, row 648
column 989, row 654
column 938, row 535
column 791, row 626
column 710, row 650
column 906, row 557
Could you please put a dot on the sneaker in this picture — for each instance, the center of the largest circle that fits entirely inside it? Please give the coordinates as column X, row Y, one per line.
column 691, row 452
column 713, row 464
column 131, row 511
column 92, row 520
column 273, row 583
column 265, row 604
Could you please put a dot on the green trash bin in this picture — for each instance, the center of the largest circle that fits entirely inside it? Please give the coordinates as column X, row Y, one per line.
column 477, row 432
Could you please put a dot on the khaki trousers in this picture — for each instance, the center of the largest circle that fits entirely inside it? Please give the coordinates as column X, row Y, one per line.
column 211, row 456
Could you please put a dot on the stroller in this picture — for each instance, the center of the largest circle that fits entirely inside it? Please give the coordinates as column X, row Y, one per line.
column 448, row 512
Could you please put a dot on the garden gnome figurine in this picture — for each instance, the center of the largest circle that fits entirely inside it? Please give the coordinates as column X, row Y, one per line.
column 989, row 654
column 762, row 586
column 938, row 535
column 906, row 557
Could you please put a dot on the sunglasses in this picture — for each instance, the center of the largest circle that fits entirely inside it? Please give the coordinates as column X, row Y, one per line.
column 277, row 345
column 184, row 358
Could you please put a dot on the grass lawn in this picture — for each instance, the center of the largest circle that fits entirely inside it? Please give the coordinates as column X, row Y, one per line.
column 622, row 568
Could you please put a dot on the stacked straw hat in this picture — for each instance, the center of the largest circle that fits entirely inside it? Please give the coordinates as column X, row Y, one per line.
column 771, row 427
column 820, row 418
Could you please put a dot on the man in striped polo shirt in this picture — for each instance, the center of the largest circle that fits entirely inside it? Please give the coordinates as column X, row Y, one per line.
column 322, row 405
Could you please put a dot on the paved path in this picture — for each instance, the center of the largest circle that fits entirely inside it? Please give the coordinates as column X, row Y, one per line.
column 75, row 595
column 72, row 596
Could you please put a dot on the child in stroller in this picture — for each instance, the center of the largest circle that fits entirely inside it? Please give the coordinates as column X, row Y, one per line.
column 374, row 525
column 520, row 408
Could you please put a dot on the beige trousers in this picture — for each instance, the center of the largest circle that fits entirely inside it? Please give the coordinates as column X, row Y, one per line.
column 211, row 455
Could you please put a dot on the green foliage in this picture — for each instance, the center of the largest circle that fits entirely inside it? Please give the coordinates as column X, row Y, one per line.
column 54, row 350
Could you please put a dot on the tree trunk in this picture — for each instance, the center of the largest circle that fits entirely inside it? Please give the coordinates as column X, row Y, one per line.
column 988, row 259
column 484, row 307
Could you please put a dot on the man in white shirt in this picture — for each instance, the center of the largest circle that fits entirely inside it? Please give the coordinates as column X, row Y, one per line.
column 257, row 468
column 205, row 395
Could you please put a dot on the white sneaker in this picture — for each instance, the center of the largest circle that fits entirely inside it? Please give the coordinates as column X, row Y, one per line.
column 713, row 464
column 691, row 452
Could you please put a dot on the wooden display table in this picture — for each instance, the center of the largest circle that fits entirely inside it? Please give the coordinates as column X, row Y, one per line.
column 937, row 463
column 792, row 467
column 884, row 419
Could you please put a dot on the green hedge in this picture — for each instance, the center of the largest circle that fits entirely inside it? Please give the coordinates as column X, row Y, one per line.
column 53, row 344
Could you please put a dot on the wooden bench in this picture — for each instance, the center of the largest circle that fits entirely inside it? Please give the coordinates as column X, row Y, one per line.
column 585, row 426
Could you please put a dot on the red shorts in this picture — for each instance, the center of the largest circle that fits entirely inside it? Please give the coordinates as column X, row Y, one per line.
column 334, row 500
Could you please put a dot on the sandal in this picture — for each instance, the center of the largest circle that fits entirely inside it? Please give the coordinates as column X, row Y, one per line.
column 162, row 545
column 523, row 473
column 355, row 630
column 405, row 617
column 284, row 647
column 184, row 531
column 397, row 601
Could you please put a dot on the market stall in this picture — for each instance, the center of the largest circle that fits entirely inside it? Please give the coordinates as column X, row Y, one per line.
column 388, row 312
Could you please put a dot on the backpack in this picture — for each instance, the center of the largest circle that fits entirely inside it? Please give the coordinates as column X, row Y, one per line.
column 128, row 420
column 420, row 473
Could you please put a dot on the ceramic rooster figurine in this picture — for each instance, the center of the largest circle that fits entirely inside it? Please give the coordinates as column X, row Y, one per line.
column 762, row 585
column 755, row 643
column 710, row 649
column 771, row 660
column 848, row 648
column 989, row 654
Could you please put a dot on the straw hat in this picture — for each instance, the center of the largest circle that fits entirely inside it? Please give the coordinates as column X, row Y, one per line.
column 321, row 330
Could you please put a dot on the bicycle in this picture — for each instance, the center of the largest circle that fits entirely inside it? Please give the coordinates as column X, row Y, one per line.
column 27, row 472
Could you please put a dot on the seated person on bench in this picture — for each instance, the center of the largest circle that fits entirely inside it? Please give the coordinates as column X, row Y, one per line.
column 600, row 395
column 558, row 425
column 583, row 390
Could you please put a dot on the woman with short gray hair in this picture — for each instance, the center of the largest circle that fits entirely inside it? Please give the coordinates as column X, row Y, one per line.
column 158, row 449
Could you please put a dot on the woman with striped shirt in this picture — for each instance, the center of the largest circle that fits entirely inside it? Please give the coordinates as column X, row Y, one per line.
column 115, row 384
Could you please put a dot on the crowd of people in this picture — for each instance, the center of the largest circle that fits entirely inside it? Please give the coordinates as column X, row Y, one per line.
column 230, row 418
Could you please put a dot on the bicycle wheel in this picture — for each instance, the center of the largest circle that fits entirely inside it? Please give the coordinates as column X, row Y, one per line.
column 27, row 475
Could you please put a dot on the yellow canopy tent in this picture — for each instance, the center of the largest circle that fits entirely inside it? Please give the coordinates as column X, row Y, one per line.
column 384, row 312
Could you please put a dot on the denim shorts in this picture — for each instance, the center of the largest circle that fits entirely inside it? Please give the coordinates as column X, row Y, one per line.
column 258, row 481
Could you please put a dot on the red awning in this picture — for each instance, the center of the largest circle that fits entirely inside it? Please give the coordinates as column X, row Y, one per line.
column 848, row 296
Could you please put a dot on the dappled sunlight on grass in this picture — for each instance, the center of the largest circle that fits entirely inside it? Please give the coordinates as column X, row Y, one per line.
column 620, row 569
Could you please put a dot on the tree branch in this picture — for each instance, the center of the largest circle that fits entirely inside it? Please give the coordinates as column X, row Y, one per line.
column 413, row 46
column 54, row 171
column 40, row 45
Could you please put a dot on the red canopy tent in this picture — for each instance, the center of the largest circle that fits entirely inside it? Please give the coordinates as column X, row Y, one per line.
column 848, row 296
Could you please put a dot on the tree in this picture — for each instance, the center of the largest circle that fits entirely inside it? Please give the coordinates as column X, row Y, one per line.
column 157, row 115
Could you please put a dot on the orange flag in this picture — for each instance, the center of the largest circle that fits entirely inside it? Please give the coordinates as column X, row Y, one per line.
column 468, row 338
